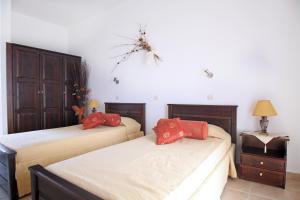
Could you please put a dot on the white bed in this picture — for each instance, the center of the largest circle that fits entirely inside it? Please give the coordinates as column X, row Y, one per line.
column 48, row 146
column 140, row 169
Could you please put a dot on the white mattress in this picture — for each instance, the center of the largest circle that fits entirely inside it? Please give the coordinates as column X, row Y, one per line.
column 48, row 146
column 25, row 139
column 140, row 169
column 30, row 138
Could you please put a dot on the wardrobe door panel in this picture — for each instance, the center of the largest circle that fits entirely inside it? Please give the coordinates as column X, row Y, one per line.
column 39, row 88
column 51, row 89
column 27, row 121
column 71, row 63
column 26, row 89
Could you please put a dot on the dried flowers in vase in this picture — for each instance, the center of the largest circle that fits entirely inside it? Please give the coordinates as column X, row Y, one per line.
column 80, row 90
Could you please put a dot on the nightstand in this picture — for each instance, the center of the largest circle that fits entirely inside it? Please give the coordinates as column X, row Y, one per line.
column 264, row 167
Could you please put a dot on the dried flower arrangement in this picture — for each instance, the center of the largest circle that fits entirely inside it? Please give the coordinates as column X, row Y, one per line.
column 139, row 44
column 81, row 91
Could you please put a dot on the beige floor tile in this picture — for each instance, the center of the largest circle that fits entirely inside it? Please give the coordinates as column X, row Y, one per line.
column 291, row 195
column 231, row 194
column 254, row 197
column 267, row 191
column 293, row 185
column 293, row 176
column 239, row 184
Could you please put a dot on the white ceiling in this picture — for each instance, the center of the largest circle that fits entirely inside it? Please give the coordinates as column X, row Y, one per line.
column 63, row 12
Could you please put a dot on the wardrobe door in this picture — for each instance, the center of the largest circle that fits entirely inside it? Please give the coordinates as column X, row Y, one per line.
column 51, row 89
column 25, row 97
column 71, row 64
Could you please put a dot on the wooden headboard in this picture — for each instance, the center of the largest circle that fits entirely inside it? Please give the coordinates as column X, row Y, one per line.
column 133, row 110
column 221, row 115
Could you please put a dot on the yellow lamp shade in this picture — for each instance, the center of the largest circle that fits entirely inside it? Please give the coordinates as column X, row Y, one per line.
column 264, row 108
column 93, row 103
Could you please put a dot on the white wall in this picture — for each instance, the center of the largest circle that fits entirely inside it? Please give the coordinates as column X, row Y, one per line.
column 34, row 32
column 25, row 30
column 5, row 33
column 252, row 47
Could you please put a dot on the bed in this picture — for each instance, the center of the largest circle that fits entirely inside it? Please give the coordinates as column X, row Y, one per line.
column 19, row 151
column 144, row 170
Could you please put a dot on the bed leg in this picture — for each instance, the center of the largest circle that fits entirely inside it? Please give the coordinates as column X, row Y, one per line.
column 13, row 190
column 7, row 171
column 34, row 183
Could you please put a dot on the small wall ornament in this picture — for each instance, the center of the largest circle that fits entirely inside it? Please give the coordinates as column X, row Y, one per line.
column 116, row 80
column 139, row 44
column 208, row 73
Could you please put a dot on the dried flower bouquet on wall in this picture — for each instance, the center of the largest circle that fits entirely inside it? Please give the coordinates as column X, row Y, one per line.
column 139, row 44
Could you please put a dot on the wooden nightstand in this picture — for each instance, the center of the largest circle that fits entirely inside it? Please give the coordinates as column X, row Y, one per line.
column 268, row 168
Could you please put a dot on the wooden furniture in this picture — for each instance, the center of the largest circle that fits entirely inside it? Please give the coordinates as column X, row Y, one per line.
column 221, row 115
column 48, row 186
column 39, row 88
column 8, row 156
column 133, row 110
column 268, row 168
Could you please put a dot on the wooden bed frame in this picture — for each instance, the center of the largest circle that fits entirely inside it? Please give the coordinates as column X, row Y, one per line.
column 8, row 156
column 221, row 115
column 48, row 186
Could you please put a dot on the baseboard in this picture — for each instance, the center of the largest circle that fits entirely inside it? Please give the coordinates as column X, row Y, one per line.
column 293, row 176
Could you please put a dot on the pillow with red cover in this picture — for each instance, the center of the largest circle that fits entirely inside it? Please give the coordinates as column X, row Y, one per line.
column 112, row 119
column 197, row 129
column 93, row 120
column 168, row 131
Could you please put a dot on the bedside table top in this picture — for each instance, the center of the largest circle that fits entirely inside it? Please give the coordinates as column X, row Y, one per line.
column 265, row 138
column 274, row 146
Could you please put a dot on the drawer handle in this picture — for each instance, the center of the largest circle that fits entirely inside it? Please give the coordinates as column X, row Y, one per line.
column 260, row 174
column 261, row 162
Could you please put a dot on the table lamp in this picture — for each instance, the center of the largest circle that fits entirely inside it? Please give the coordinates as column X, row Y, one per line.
column 264, row 109
column 93, row 104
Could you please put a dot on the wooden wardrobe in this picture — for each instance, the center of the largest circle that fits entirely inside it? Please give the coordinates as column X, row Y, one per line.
column 39, row 88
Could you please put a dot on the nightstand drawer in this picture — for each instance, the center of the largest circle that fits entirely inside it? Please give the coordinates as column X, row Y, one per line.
column 263, row 162
column 263, row 176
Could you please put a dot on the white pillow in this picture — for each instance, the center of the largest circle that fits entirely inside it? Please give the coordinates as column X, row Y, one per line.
column 132, row 126
column 218, row 132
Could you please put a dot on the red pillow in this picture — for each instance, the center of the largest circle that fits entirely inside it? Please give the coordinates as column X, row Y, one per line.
column 168, row 131
column 93, row 120
column 112, row 119
column 197, row 129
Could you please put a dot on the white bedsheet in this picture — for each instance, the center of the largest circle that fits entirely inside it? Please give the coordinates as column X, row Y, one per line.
column 48, row 146
column 140, row 169
column 25, row 139
column 30, row 138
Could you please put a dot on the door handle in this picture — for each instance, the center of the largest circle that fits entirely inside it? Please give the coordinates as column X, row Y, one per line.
column 261, row 162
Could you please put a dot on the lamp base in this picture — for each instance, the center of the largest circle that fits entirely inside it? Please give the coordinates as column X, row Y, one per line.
column 264, row 122
column 262, row 133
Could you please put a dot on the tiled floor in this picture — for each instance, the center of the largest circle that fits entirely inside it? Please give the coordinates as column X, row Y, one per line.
column 244, row 190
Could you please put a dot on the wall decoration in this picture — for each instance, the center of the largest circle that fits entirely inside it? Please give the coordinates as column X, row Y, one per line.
column 208, row 73
column 116, row 80
column 139, row 44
